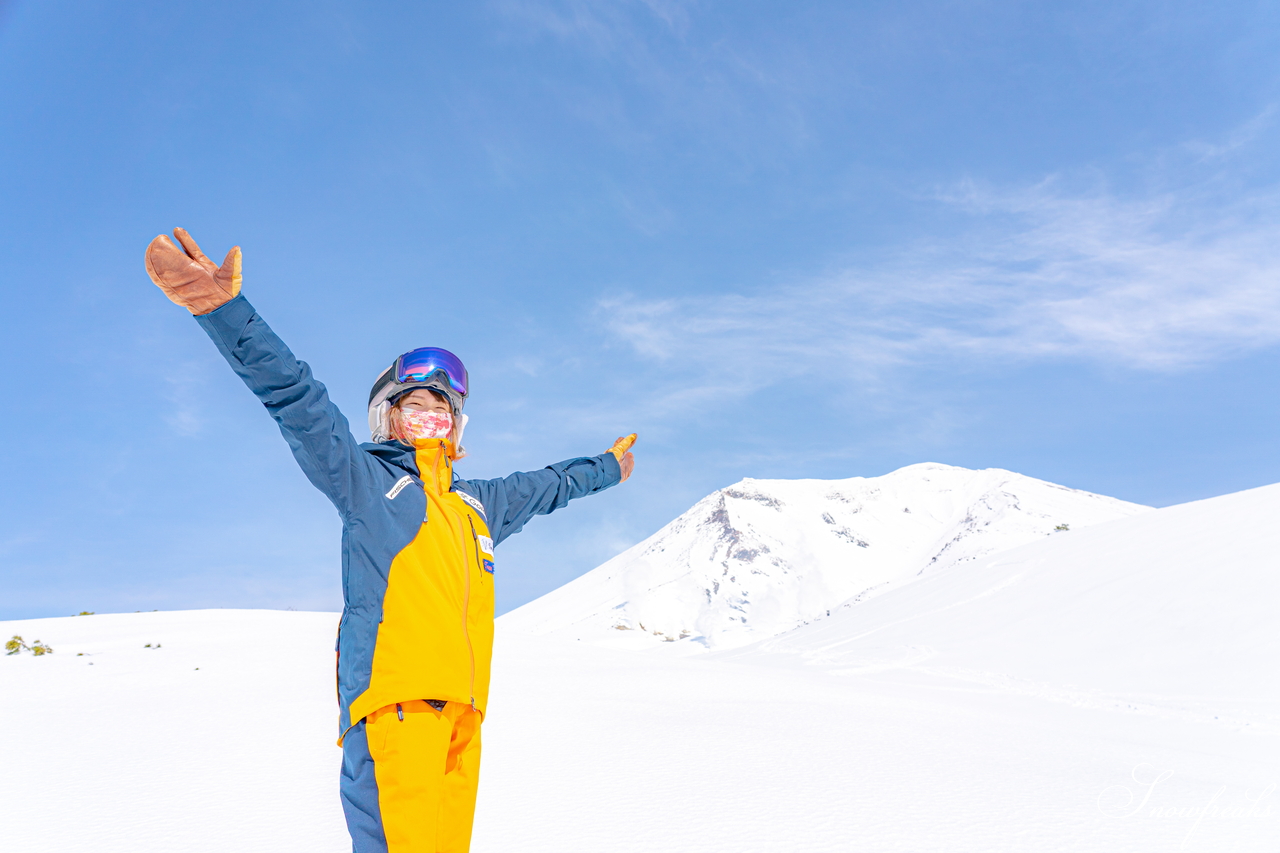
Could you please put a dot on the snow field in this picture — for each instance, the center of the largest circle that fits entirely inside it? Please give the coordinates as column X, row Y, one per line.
column 135, row 749
column 597, row 749
column 1172, row 610
column 589, row 749
column 1106, row 689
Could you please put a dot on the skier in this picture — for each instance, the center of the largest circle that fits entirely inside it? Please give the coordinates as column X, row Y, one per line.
column 416, row 635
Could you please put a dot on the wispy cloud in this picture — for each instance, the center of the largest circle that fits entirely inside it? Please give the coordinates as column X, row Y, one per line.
column 606, row 27
column 670, row 74
column 184, row 413
column 1239, row 138
column 1163, row 282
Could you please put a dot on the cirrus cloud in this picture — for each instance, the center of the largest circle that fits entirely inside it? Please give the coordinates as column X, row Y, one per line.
column 1161, row 283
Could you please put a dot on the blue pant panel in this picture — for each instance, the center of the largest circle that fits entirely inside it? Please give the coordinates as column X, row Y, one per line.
column 359, row 790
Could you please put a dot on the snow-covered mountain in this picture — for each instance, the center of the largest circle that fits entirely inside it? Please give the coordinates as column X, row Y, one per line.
column 1171, row 614
column 763, row 557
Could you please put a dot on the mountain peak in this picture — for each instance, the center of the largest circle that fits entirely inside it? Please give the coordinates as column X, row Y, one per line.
column 763, row 557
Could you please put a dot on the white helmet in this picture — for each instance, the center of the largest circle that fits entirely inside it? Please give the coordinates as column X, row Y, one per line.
column 425, row 367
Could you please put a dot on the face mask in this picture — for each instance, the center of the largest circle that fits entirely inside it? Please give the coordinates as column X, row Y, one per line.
column 415, row 425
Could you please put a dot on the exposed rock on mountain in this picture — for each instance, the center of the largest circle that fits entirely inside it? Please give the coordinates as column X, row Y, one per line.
column 763, row 557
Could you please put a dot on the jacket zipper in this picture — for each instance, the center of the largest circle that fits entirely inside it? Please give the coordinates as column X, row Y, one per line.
column 466, row 602
column 337, row 669
column 475, row 539
column 466, row 608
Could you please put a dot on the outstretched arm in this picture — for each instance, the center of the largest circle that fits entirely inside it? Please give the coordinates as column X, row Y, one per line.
column 316, row 431
column 511, row 501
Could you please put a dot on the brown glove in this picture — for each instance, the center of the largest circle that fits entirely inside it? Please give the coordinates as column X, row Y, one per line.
column 189, row 278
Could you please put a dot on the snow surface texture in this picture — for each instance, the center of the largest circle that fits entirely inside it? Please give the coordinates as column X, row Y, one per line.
column 1109, row 689
column 1170, row 614
column 765, row 556
column 221, row 739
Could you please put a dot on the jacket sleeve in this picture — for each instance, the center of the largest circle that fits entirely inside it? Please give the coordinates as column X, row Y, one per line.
column 316, row 431
column 511, row 501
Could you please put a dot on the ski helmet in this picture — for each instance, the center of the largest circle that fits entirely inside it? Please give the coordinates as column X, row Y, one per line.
column 425, row 367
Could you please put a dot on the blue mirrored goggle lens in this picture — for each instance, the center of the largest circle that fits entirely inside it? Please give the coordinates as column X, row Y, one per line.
column 420, row 364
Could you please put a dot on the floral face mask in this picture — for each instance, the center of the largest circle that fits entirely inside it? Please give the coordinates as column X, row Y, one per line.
column 415, row 425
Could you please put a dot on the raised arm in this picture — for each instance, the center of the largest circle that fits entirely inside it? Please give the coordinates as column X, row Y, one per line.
column 316, row 431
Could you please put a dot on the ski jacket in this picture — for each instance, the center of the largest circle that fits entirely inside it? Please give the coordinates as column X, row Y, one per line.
column 417, row 541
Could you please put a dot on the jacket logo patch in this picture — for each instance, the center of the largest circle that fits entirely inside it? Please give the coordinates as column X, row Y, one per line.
column 399, row 487
column 486, row 545
column 488, row 566
column 475, row 504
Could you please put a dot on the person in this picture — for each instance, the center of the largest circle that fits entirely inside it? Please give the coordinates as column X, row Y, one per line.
column 416, row 634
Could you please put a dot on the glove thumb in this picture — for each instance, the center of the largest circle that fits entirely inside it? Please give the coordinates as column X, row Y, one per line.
column 228, row 275
column 622, row 445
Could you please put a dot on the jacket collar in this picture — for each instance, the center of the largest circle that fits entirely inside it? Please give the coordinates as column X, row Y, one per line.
column 394, row 452
column 397, row 453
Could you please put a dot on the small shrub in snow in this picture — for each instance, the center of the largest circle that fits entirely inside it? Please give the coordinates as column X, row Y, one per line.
column 18, row 645
column 1062, row 528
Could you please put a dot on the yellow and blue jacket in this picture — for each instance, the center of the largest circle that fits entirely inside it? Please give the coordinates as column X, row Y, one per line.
column 417, row 541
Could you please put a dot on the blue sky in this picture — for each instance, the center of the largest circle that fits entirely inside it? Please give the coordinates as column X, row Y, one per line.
column 778, row 240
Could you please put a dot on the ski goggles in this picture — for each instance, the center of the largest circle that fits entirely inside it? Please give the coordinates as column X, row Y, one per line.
column 421, row 364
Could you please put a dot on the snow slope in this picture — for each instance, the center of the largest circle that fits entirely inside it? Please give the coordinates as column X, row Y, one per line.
column 220, row 739
column 1109, row 689
column 765, row 556
column 1172, row 613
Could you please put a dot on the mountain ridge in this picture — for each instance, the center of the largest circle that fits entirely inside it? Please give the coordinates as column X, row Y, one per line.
column 761, row 557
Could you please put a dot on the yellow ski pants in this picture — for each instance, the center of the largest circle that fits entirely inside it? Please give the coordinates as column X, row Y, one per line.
column 421, row 795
